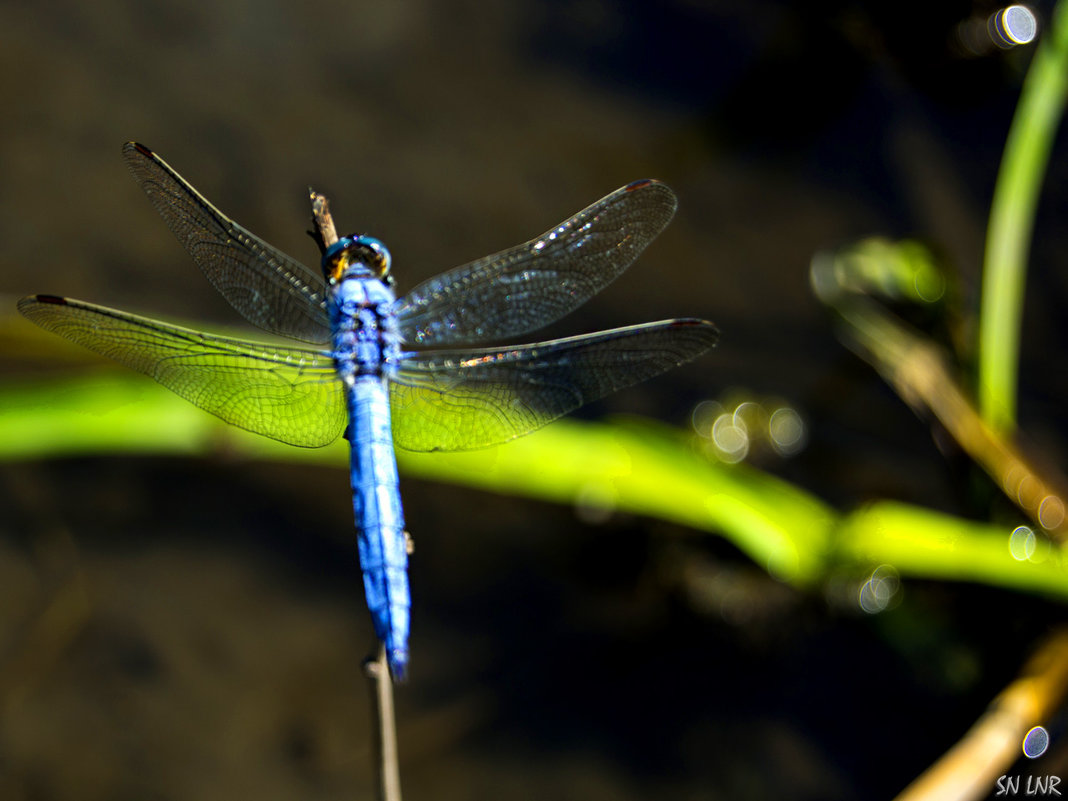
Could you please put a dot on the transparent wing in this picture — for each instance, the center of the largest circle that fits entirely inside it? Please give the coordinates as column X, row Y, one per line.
column 288, row 394
column 531, row 285
column 270, row 289
column 453, row 400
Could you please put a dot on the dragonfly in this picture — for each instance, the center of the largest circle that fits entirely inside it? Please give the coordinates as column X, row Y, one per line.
column 416, row 371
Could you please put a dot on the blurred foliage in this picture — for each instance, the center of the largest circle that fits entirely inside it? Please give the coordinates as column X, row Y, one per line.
column 1012, row 216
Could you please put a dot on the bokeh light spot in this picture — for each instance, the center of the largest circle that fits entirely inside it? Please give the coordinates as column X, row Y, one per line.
column 1051, row 512
column 704, row 415
column 880, row 590
column 595, row 502
column 1035, row 742
column 731, row 439
column 1013, row 25
column 786, row 430
column 1022, row 543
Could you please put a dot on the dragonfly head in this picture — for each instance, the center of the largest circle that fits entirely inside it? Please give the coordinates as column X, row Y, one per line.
column 353, row 255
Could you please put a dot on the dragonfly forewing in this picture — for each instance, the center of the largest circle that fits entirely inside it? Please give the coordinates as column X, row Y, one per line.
column 271, row 290
column 531, row 285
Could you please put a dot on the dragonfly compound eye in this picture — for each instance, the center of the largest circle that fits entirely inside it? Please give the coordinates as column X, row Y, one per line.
column 374, row 255
column 350, row 253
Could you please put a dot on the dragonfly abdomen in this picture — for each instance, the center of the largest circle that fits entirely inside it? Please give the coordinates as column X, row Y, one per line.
column 379, row 516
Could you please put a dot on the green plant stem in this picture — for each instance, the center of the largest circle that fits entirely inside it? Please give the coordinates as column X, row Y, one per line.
column 638, row 468
column 1012, row 220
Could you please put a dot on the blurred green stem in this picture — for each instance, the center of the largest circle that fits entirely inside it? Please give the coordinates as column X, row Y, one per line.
column 640, row 468
column 1012, row 220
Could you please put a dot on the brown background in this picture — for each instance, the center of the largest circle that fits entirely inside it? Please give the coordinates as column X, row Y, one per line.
column 220, row 657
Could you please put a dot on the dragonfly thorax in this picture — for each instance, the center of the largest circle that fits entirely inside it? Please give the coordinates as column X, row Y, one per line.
column 356, row 256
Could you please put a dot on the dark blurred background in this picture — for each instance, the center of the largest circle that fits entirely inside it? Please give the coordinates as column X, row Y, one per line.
column 220, row 655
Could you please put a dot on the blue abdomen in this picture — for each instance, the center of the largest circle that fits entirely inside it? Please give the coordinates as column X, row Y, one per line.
column 379, row 517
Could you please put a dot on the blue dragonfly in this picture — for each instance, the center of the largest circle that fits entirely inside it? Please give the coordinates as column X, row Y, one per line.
column 364, row 379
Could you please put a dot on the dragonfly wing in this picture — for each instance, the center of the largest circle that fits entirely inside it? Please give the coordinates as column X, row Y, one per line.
column 531, row 285
column 288, row 394
column 457, row 400
column 270, row 289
